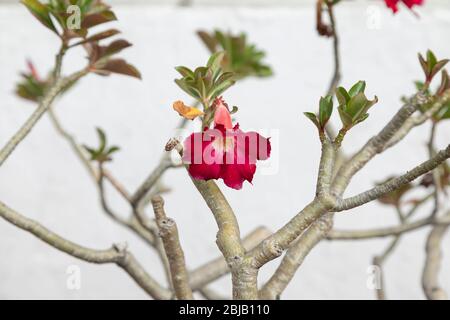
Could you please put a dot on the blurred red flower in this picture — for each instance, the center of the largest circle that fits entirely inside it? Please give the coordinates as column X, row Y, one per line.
column 393, row 4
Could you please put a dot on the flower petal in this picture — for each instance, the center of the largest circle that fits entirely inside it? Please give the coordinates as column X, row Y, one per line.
column 185, row 111
column 203, row 159
column 252, row 144
column 222, row 114
column 234, row 175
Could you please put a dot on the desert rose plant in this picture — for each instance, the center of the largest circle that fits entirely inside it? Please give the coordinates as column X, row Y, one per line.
column 220, row 153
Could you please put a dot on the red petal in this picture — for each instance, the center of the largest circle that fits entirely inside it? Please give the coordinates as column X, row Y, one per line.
column 392, row 4
column 222, row 115
column 234, row 175
column 254, row 145
column 204, row 161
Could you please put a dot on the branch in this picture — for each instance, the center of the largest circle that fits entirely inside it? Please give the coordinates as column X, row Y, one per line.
column 164, row 164
column 375, row 145
column 228, row 237
column 273, row 246
column 44, row 105
column 336, row 56
column 218, row 267
column 298, row 250
column 169, row 234
column 151, row 180
column 295, row 256
column 132, row 223
column 118, row 254
column 420, row 119
column 212, row 295
column 393, row 184
column 81, row 154
column 151, row 227
column 378, row 233
column 77, row 149
column 313, row 235
column 380, row 259
column 430, row 281
column 147, row 230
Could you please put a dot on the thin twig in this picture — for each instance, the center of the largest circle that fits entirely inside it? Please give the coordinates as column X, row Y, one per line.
column 44, row 105
column 419, row 119
column 375, row 145
column 393, row 184
column 378, row 233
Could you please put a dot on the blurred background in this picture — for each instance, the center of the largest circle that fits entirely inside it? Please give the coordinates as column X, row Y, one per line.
column 45, row 181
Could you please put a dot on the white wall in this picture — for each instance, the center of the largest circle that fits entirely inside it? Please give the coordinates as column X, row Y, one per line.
column 44, row 180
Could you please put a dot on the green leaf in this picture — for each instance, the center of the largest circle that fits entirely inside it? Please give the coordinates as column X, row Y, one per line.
column 210, row 42
column 200, row 84
column 431, row 59
column 325, row 110
column 438, row 66
column 218, row 90
column 234, row 110
column 311, row 116
column 224, row 77
column 346, row 119
column 215, row 60
column 112, row 149
column 445, row 83
column 423, row 64
column 41, row 12
column 359, row 87
column 342, row 96
column 362, row 113
column 419, row 85
column 188, row 89
column 102, row 138
column 361, row 118
column 356, row 104
column 184, row 71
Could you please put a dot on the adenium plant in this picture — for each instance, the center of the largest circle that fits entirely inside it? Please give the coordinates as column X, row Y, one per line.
column 218, row 149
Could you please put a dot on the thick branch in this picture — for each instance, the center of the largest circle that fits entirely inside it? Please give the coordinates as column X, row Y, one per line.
column 218, row 267
column 169, row 234
column 393, row 184
column 430, row 275
column 118, row 254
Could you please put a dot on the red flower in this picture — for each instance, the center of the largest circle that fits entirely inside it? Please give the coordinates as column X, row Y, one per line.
column 393, row 4
column 225, row 152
